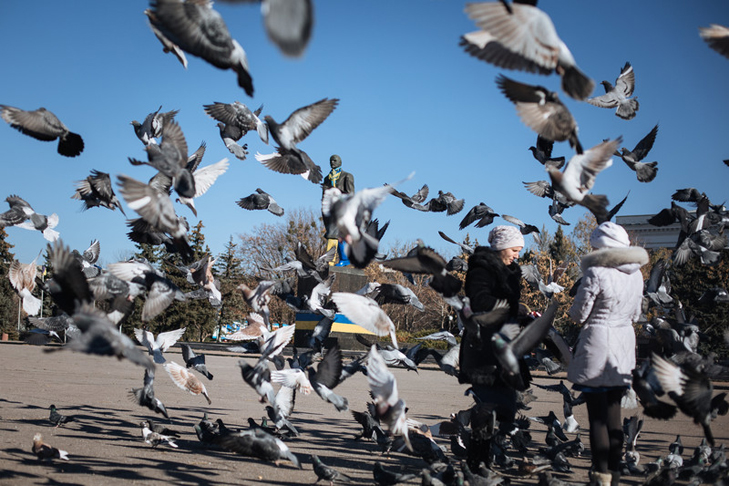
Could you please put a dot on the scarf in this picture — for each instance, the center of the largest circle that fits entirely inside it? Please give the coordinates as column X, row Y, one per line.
column 334, row 176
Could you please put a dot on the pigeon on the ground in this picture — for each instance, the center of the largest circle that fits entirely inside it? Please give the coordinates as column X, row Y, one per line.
column 384, row 477
column 46, row 452
column 43, row 125
column 619, row 95
column 288, row 158
column 154, row 438
column 327, row 473
column 58, row 418
column 196, row 28
column 260, row 444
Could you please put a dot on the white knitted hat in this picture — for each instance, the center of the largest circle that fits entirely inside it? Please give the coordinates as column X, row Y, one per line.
column 502, row 237
column 609, row 235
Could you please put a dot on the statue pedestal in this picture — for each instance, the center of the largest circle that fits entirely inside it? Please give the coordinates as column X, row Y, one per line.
column 348, row 279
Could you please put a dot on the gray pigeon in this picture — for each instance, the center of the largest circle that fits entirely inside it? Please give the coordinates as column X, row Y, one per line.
column 482, row 214
column 645, row 171
column 541, row 110
column 96, row 191
column 288, row 158
column 288, row 24
column 151, row 128
column 619, row 95
column 518, row 35
column 717, row 36
column 238, row 117
column 261, row 200
column 196, row 28
column 43, row 125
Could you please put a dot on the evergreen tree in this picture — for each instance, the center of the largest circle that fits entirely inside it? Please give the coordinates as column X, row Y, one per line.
column 230, row 274
column 8, row 298
column 559, row 249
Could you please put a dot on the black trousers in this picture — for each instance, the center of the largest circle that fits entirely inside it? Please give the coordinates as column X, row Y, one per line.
column 606, row 429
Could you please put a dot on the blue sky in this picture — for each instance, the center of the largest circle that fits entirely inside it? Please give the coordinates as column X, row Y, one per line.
column 411, row 100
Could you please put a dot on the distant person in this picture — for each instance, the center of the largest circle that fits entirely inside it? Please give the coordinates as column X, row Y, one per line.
column 344, row 181
column 607, row 303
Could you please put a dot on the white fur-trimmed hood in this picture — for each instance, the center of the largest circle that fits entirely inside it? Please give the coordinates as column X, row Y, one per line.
column 615, row 258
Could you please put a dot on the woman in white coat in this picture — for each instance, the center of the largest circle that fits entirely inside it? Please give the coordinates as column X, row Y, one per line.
column 607, row 303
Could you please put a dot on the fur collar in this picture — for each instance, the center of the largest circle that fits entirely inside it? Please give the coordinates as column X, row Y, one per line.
column 615, row 257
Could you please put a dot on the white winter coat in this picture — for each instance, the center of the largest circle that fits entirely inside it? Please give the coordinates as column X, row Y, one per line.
column 608, row 301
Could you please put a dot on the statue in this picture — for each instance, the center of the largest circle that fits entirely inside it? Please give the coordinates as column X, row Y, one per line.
column 344, row 181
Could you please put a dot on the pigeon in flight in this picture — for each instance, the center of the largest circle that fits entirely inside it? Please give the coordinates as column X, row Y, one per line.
column 543, row 153
column 196, row 28
column 524, row 228
column 578, row 177
column 238, row 119
column 195, row 361
column 22, row 215
column 520, row 36
column 160, row 344
column 145, row 396
column 289, row 159
column 186, row 380
column 43, row 125
column 645, row 171
column 151, row 128
column 96, row 191
column 717, row 36
column 619, row 95
column 541, row 110
column 482, row 214
column 22, row 277
column 365, row 312
column 389, row 406
column 261, row 200
column 288, row 24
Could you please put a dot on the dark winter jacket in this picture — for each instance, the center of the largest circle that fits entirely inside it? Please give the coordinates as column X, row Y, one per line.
column 488, row 280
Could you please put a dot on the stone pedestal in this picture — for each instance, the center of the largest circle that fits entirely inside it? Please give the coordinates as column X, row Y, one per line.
column 348, row 279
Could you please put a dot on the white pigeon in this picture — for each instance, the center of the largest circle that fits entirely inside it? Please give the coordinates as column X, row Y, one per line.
column 162, row 343
column 365, row 312
column 389, row 406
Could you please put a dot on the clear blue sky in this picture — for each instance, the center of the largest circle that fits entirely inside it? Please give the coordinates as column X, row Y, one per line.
column 411, row 100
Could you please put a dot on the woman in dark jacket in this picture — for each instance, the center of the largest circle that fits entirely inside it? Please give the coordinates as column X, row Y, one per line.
column 493, row 275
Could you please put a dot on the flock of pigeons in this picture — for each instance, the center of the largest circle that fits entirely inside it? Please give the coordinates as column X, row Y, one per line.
column 516, row 36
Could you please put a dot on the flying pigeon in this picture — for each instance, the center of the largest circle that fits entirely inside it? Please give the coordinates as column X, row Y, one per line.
column 521, row 36
column 543, row 153
column 238, row 119
column 151, row 128
column 22, row 215
column 619, row 95
column 717, row 36
column 578, row 177
column 389, row 406
column 261, row 200
column 43, row 125
column 425, row 260
column 185, row 380
column 195, row 361
column 288, row 158
column 196, row 28
column 288, row 24
column 645, row 171
column 96, row 191
column 365, row 312
column 541, row 110
column 482, row 214
column 145, row 396
column 23, row 279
